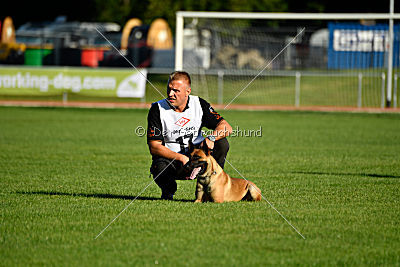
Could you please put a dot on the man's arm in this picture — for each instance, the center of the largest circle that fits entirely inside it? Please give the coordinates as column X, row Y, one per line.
column 222, row 130
column 157, row 149
column 155, row 138
column 212, row 120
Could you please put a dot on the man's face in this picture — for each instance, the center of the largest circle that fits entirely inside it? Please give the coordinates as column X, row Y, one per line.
column 177, row 92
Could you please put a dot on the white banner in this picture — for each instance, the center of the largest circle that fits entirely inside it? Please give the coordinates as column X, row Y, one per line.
column 96, row 82
column 360, row 40
column 133, row 85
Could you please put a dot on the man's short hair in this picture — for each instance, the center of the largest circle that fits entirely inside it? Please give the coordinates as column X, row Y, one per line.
column 179, row 75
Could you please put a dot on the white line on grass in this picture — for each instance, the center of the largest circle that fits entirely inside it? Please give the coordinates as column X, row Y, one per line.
column 133, row 200
column 272, row 206
column 280, row 52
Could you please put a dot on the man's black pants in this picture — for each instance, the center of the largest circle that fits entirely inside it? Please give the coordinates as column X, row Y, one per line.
column 165, row 174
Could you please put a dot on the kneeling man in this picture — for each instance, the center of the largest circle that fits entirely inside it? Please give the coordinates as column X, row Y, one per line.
column 172, row 123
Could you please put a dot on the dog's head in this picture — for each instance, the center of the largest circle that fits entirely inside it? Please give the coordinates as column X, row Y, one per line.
column 199, row 156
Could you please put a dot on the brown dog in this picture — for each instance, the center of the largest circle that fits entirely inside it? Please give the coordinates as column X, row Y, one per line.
column 215, row 185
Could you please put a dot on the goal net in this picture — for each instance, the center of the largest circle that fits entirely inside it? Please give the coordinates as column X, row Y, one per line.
column 288, row 59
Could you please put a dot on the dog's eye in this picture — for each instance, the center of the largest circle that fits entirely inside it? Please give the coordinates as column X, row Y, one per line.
column 196, row 157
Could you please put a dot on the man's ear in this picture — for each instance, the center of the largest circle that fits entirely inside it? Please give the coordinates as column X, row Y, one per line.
column 188, row 91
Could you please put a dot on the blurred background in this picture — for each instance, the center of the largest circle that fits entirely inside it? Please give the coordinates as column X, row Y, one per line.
column 221, row 54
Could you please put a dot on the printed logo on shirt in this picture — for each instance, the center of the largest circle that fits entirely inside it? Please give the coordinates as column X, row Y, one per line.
column 217, row 116
column 150, row 133
column 182, row 121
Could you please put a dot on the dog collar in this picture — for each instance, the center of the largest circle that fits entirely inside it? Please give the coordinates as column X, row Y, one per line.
column 209, row 176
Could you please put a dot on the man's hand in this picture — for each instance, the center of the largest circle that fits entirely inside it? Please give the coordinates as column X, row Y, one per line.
column 156, row 148
column 184, row 159
column 210, row 143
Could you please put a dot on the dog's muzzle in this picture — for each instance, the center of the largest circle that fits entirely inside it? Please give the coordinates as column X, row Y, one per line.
column 190, row 169
column 202, row 164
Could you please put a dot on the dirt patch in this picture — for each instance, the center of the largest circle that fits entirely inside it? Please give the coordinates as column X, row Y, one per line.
column 81, row 104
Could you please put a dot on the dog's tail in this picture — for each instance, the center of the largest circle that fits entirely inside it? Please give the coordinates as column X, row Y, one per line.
column 253, row 192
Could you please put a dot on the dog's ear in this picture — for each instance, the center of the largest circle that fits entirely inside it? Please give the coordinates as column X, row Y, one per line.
column 205, row 148
column 191, row 146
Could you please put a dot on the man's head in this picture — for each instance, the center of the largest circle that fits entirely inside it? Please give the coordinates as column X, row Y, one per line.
column 178, row 89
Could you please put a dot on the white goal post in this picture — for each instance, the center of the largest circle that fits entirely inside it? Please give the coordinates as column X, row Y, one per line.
column 389, row 17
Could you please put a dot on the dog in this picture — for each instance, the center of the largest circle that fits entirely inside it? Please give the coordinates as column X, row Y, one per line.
column 215, row 185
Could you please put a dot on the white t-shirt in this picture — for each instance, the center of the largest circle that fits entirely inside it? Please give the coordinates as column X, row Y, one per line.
column 175, row 129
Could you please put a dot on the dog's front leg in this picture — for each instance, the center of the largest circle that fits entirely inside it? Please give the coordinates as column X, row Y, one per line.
column 217, row 195
column 199, row 192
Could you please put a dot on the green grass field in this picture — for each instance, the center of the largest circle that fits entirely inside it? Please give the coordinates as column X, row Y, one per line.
column 66, row 173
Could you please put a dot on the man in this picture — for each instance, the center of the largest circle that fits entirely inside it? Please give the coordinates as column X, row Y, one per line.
column 172, row 122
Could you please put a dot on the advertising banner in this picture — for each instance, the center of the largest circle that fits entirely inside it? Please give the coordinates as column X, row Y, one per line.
column 359, row 46
column 84, row 81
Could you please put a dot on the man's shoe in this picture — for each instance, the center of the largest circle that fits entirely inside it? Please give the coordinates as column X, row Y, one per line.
column 167, row 196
